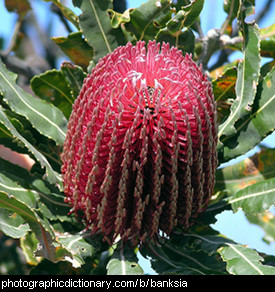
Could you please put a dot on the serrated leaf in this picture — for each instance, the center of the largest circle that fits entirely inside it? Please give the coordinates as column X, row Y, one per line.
column 11, row 203
column 53, row 177
column 236, row 8
column 255, row 198
column 253, row 128
column 74, row 76
column 185, row 17
column 266, row 221
column 148, row 19
column 183, row 40
column 268, row 41
column 80, row 245
column 12, row 224
column 46, row 118
column 244, row 261
column 191, row 253
column 246, row 84
column 76, row 48
column 118, row 18
column 28, row 244
column 96, row 26
column 52, row 87
column 124, row 262
column 50, row 202
column 224, row 92
column 247, row 172
column 27, row 196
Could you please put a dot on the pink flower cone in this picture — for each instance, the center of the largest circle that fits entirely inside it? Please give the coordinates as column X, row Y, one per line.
column 140, row 152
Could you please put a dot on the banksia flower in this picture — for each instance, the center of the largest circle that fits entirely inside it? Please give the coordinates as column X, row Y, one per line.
column 140, row 152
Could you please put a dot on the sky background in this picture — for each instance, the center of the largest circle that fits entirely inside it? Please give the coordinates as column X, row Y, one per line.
column 234, row 226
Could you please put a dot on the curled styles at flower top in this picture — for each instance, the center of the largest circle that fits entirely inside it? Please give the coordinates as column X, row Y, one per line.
column 140, row 152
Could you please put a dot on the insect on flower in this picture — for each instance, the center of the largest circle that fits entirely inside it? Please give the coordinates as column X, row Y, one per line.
column 140, row 151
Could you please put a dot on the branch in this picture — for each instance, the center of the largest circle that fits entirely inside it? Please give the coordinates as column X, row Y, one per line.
column 19, row 66
column 210, row 43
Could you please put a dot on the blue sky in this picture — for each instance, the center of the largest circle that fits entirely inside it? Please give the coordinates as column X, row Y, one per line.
column 235, row 226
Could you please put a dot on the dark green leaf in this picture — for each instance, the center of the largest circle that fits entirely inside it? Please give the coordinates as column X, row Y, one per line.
column 76, row 48
column 191, row 254
column 74, row 76
column 185, row 17
column 96, row 26
column 148, row 19
column 183, row 40
column 52, row 87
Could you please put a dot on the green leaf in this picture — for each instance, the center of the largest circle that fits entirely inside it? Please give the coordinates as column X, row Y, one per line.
column 52, row 87
column 124, row 262
column 244, row 261
column 50, row 202
column 74, row 76
column 80, row 245
column 12, row 224
column 246, row 84
column 118, row 18
column 224, row 92
column 187, row 16
column 268, row 41
column 190, row 254
column 60, row 87
column 42, row 232
column 46, row 118
column 28, row 244
column 96, row 26
column 183, row 40
column 148, row 19
column 255, row 127
column 76, row 48
column 255, row 198
column 249, row 171
column 266, row 221
column 53, row 177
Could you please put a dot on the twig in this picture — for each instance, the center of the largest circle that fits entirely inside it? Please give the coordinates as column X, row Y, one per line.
column 210, row 43
column 19, row 66
column 14, row 37
column 56, row 10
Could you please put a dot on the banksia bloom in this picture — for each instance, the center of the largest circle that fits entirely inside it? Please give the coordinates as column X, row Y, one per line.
column 140, row 151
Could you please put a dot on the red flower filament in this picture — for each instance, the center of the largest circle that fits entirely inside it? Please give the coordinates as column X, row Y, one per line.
column 140, row 152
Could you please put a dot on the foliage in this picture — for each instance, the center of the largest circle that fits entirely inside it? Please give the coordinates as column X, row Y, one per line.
column 32, row 210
